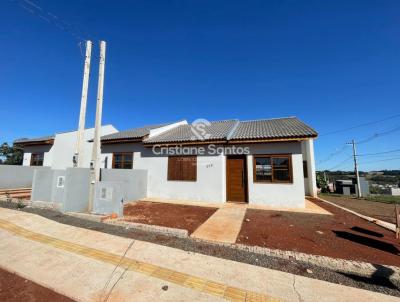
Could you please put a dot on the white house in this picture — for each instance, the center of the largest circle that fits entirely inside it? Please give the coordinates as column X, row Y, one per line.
column 57, row 151
column 268, row 162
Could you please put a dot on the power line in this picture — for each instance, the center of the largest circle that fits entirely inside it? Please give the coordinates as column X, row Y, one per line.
column 374, row 161
column 366, row 140
column 360, row 125
column 52, row 19
column 341, row 163
column 385, row 152
column 341, row 150
column 376, row 135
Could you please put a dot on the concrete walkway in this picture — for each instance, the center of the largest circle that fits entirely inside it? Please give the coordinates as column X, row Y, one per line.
column 91, row 266
column 224, row 225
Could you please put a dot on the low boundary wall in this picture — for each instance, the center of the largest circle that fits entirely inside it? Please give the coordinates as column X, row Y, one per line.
column 13, row 176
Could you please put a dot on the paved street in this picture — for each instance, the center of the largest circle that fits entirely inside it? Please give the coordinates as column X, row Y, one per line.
column 87, row 265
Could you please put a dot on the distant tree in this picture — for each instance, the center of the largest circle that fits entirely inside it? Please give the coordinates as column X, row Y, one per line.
column 10, row 155
column 322, row 183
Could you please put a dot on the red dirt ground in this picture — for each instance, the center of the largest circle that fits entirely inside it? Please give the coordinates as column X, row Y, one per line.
column 168, row 215
column 344, row 235
column 16, row 289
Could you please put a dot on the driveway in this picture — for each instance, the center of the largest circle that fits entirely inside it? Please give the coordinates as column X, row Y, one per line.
column 86, row 265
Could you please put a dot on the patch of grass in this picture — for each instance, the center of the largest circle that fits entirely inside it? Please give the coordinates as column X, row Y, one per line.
column 376, row 198
column 20, row 204
column 383, row 198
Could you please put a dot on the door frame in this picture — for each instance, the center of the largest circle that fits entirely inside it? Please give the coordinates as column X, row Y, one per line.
column 246, row 179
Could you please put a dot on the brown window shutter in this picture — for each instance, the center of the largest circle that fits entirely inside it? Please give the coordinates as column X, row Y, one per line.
column 182, row 168
column 172, row 168
column 192, row 168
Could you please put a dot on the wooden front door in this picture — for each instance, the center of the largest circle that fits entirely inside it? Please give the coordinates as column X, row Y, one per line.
column 236, row 178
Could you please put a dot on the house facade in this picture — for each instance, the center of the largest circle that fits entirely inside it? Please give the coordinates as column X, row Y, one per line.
column 268, row 162
column 57, row 151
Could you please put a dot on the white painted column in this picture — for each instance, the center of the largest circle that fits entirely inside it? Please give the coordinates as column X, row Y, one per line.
column 312, row 179
column 222, row 158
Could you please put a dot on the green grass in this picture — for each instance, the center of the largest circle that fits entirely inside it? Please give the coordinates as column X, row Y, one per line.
column 384, row 198
column 377, row 198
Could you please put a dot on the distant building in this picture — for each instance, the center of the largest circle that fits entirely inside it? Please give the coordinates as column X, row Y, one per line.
column 395, row 191
column 349, row 186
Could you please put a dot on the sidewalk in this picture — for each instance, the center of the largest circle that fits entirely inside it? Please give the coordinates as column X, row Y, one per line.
column 81, row 263
column 224, row 225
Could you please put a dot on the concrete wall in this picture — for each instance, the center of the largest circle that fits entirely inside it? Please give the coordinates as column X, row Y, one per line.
column 69, row 195
column 133, row 182
column 109, row 197
column 45, row 187
column 58, row 189
column 17, row 176
column 76, row 192
column 42, row 185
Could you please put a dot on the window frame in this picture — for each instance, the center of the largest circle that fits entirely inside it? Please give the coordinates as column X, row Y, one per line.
column 169, row 174
column 34, row 160
column 271, row 156
column 123, row 160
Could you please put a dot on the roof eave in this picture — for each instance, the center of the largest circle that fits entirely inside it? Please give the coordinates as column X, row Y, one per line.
column 270, row 140
column 121, row 140
column 186, row 143
column 35, row 143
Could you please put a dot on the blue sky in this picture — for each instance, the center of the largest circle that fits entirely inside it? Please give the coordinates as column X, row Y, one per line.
column 334, row 64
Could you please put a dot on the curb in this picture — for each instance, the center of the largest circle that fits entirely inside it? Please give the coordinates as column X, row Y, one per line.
column 363, row 269
column 180, row 233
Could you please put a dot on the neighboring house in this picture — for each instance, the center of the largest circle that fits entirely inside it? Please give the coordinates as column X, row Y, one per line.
column 57, row 151
column 268, row 162
column 349, row 186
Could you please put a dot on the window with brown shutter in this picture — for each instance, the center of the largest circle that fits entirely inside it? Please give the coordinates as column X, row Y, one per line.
column 182, row 168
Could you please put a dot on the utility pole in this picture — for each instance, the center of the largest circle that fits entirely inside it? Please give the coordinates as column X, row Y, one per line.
column 78, row 159
column 95, row 162
column 353, row 142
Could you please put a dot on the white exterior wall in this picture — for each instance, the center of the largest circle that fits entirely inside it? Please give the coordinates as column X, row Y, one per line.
column 395, row 191
column 47, row 151
column 60, row 154
column 209, row 187
column 289, row 195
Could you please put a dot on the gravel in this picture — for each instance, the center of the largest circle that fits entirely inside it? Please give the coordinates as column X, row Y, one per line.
column 373, row 283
